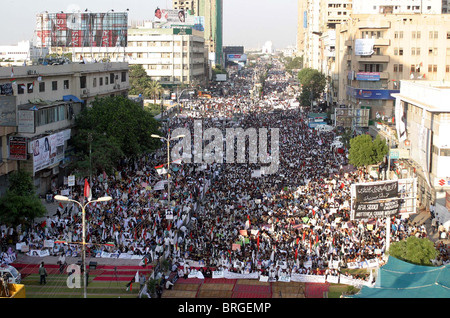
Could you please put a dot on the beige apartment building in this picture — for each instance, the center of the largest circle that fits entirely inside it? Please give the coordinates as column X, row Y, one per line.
column 38, row 105
column 375, row 52
column 172, row 57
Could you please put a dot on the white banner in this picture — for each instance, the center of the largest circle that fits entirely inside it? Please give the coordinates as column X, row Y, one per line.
column 217, row 274
column 308, row 278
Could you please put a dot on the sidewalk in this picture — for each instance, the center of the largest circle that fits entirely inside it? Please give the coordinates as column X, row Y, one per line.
column 423, row 217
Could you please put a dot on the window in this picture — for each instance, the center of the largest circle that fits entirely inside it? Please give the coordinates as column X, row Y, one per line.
column 30, row 87
column 433, row 34
column 66, row 84
column 398, row 68
column 41, row 87
column 106, row 80
column 432, row 51
column 447, row 68
column 100, row 81
column 21, row 88
column 432, row 68
column 111, row 78
column 124, row 77
column 94, row 82
column 54, row 85
column 83, row 82
column 413, row 68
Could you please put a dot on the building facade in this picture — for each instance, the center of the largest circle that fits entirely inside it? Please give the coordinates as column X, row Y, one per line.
column 423, row 127
column 39, row 104
column 170, row 56
column 375, row 52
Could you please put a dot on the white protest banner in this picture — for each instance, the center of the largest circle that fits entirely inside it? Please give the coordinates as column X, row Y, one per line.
column 43, row 253
column 284, row 278
column 49, row 243
column 307, row 278
column 193, row 274
column 217, row 274
column 263, row 278
column 332, row 279
column 105, row 254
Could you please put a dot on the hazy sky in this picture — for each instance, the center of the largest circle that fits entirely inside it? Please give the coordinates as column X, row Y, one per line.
column 246, row 22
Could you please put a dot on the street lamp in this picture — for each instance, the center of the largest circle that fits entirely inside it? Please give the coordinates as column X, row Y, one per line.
column 168, row 159
column 66, row 199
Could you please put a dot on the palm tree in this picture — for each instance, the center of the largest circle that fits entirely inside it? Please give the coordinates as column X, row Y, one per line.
column 154, row 89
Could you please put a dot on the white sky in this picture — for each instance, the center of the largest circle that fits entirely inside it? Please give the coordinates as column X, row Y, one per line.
column 246, row 22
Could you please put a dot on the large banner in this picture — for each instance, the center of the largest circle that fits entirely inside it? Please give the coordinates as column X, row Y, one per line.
column 364, row 47
column 85, row 29
column 48, row 150
column 371, row 191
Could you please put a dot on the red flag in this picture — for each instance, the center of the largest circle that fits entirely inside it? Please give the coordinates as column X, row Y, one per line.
column 296, row 253
column 87, row 190
column 60, row 204
column 257, row 241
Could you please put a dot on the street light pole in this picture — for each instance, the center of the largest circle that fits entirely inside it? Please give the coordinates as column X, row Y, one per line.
column 83, row 210
column 168, row 160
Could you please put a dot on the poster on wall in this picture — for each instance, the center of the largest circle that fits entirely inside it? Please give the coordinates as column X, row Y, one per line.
column 48, row 150
column 17, row 148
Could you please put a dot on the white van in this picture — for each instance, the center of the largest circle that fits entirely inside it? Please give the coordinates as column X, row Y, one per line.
column 13, row 275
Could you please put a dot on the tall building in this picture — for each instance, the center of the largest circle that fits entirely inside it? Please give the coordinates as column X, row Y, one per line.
column 375, row 52
column 302, row 24
column 423, row 131
column 212, row 10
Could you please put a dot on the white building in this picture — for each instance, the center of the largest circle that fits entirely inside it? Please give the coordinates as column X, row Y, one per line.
column 397, row 7
column 22, row 53
column 171, row 56
column 423, row 129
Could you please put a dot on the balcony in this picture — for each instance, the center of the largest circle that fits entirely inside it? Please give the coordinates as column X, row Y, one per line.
column 373, row 58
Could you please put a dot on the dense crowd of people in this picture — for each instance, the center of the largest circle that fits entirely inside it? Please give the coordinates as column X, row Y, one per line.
column 294, row 221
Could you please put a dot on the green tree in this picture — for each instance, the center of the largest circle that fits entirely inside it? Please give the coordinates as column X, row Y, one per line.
column 20, row 205
column 365, row 151
column 119, row 127
column 419, row 251
column 313, row 84
column 154, row 89
column 139, row 80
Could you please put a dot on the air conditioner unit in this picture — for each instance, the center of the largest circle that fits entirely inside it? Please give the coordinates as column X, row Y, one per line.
column 84, row 91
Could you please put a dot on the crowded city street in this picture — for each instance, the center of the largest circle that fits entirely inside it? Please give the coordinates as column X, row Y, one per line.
column 229, row 219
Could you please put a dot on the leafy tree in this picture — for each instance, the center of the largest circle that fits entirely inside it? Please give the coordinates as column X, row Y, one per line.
column 139, row 80
column 20, row 205
column 419, row 251
column 119, row 127
column 365, row 151
column 313, row 84
column 293, row 63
